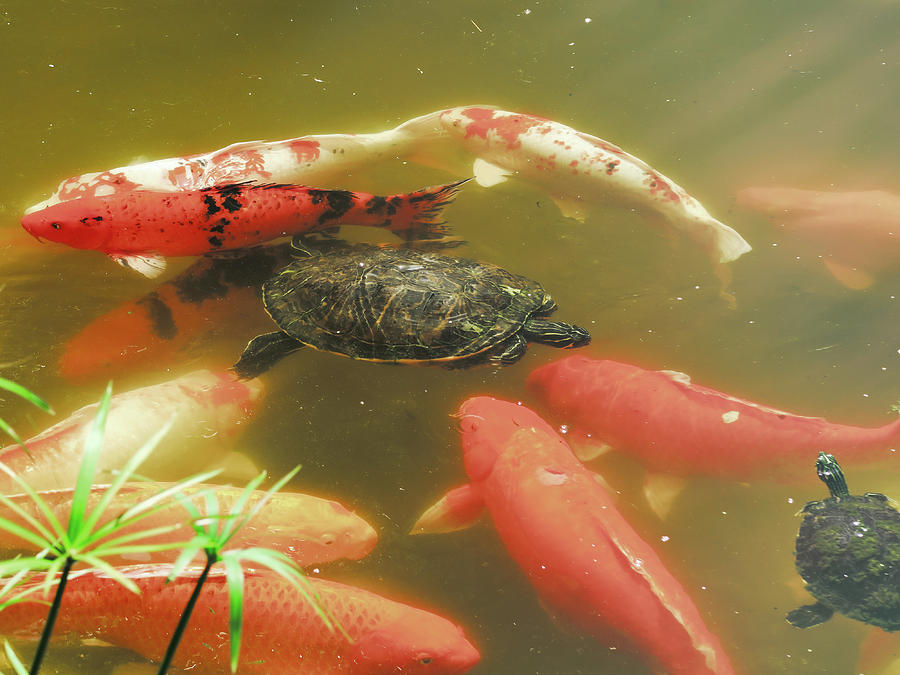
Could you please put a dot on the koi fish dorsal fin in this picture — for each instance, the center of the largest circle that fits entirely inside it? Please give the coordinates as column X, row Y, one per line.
column 458, row 509
column 150, row 265
column 661, row 490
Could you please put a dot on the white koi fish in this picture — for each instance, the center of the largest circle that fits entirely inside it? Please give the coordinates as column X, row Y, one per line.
column 206, row 408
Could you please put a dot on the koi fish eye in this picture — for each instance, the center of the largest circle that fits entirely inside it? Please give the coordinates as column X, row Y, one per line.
column 56, row 226
column 425, row 660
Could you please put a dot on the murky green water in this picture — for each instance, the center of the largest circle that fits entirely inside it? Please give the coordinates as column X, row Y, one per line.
column 717, row 95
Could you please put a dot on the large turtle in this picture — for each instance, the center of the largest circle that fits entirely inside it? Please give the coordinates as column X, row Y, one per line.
column 403, row 306
column 848, row 553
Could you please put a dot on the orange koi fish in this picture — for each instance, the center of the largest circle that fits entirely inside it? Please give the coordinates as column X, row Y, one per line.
column 206, row 407
column 163, row 325
column 308, row 529
column 138, row 228
column 282, row 634
column 563, row 529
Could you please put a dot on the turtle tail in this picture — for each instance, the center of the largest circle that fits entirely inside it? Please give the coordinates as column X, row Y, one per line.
column 831, row 474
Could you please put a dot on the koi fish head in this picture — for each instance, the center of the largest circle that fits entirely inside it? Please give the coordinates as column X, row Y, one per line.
column 78, row 223
column 416, row 643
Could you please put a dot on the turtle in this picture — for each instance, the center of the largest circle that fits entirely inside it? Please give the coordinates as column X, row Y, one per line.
column 403, row 305
column 848, row 553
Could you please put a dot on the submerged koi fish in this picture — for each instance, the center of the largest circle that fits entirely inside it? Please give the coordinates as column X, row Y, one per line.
column 577, row 170
column 562, row 528
column 282, row 634
column 139, row 228
column 305, row 528
column 163, row 325
column 675, row 426
column 206, row 408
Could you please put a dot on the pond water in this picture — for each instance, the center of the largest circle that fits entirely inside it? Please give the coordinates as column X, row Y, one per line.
column 716, row 95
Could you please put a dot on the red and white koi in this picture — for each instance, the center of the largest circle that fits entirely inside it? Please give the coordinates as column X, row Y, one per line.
column 577, row 170
column 205, row 407
column 307, row 529
column 675, row 426
column 282, row 634
column 562, row 527
column 139, row 228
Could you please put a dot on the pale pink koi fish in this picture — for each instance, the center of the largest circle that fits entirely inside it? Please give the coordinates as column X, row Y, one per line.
column 282, row 634
column 577, row 170
column 307, row 529
column 205, row 407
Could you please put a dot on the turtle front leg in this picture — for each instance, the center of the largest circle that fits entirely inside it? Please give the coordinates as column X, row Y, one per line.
column 509, row 351
column 808, row 616
column 263, row 352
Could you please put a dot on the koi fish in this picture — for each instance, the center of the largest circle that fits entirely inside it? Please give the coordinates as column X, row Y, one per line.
column 562, row 527
column 206, row 408
column 675, row 426
column 577, row 170
column 856, row 235
column 163, row 325
column 138, row 228
column 282, row 634
column 305, row 528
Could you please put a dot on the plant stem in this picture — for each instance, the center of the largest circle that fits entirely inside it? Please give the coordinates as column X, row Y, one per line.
column 51, row 617
column 185, row 616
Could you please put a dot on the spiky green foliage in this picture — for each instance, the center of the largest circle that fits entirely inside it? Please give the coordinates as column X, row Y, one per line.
column 213, row 533
column 83, row 539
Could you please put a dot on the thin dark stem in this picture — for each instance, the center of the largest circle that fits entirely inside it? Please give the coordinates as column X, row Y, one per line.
column 185, row 617
column 51, row 617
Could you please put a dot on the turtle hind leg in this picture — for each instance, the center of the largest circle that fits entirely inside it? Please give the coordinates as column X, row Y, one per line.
column 556, row 333
column 263, row 352
column 509, row 351
column 808, row 616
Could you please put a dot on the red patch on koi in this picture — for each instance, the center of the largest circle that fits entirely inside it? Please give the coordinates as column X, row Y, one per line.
column 183, row 175
column 507, row 127
column 305, row 151
column 236, row 166
column 659, row 187
column 612, row 167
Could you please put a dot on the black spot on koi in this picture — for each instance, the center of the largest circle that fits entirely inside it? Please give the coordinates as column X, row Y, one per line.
column 211, row 207
column 231, row 204
column 339, row 202
column 160, row 316
column 215, row 241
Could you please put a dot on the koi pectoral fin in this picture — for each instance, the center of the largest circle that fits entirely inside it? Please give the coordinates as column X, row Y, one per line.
column 458, row 509
column 150, row 265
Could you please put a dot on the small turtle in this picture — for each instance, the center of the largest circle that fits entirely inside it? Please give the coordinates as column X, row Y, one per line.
column 403, row 306
column 848, row 553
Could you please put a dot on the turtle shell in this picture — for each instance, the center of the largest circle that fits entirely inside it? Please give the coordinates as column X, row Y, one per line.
column 848, row 553
column 400, row 304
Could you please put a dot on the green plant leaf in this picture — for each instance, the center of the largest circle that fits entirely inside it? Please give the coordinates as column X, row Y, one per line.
column 89, row 460
column 111, row 572
column 22, row 392
column 124, row 474
column 23, row 533
column 12, row 433
column 13, row 659
column 36, row 499
column 234, row 578
column 188, row 553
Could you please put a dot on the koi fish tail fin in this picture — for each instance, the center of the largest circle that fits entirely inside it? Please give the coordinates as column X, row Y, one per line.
column 417, row 215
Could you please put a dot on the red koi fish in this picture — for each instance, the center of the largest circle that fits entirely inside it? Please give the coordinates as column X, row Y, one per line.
column 282, row 634
column 163, row 325
column 305, row 528
column 206, row 408
column 562, row 528
column 675, row 426
column 138, row 228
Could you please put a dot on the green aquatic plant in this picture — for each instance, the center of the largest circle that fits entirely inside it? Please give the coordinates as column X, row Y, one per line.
column 83, row 539
column 213, row 532
column 29, row 396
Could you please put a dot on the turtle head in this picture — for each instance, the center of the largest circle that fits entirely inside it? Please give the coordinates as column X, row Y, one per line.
column 556, row 333
column 831, row 474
